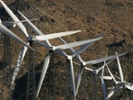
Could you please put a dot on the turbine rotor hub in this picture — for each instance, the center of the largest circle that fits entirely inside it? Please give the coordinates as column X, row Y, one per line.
column 69, row 57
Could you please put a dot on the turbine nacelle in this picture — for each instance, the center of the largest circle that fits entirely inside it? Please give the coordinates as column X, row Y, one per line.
column 83, row 63
column 31, row 38
column 69, row 57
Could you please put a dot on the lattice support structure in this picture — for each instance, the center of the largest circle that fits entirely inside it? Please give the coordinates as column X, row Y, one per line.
column 6, row 92
column 48, row 91
column 31, row 82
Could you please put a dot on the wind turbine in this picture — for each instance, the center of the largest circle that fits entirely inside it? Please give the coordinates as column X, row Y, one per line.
column 8, row 32
column 96, row 61
column 59, row 49
column 121, row 83
column 15, row 18
column 47, row 45
column 37, row 39
column 13, row 24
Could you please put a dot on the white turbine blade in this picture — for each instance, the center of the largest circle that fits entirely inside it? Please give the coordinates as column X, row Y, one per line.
column 19, row 62
column 88, row 44
column 114, row 90
column 14, row 17
column 74, row 44
column 129, row 86
column 76, row 63
column 78, row 80
column 110, row 94
column 35, row 29
column 84, row 47
column 31, row 24
column 119, row 67
column 104, row 59
column 99, row 69
column 43, row 44
column 63, row 41
column 72, row 50
column 6, row 31
column 111, row 74
column 101, row 34
column 72, row 77
column 8, row 24
column 103, row 88
column 107, row 78
column 55, row 35
column 62, row 53
column 43, row 73
column 103, row 70
column 89, row 69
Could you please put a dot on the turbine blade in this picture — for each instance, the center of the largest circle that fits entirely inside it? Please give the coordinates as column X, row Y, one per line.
column 14, row 17
column 5, row 30
column 64, row 42
column 99, row 69
column 78, row 80
column 130, row 87
column 103, row 88
column 43, row 73
column 114, row 90
column 61, row 52
column 43, row 44
column 72, row 50
column 36, row 30
column 19, row 62
column 74, row 44
column 103, row 70
column 107, row 77
column 84, row 47
column 96, row 61
column 111, row 74
column 72, row 78
column 89, row 69
column 55, row 35
column 110, row 94
column 119, row 67
column 8, row 24
column 101, row 34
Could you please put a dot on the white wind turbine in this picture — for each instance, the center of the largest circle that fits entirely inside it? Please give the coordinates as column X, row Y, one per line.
column 32, row 38
column 121, row 83
column 83, row 63
column 23, row 29
column 69, row 57
column 13, row 24
column 47, row 45
column 15, row 18
column 51, row 48
column 8, row 32
column 96, row 61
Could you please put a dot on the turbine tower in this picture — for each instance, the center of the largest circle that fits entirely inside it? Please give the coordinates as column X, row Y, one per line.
column 6, row 73
column 31, row 81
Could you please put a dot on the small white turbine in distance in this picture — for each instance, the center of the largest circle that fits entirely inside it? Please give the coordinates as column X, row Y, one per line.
column 119, row 84
column 24, row 50
column 8, row 32
column 15, row 18
column 59, row 49
column 83, row 63
column 36, row 39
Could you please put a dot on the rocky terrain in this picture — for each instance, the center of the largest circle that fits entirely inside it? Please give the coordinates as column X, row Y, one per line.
column 90, row 16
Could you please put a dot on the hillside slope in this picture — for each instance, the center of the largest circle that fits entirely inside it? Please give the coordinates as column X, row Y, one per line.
column 90, row 16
